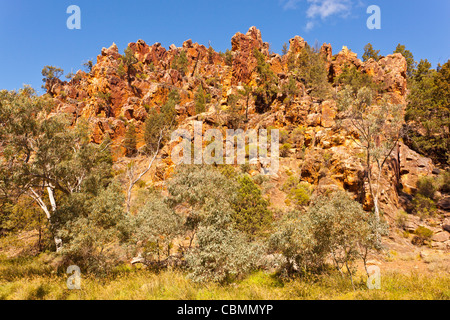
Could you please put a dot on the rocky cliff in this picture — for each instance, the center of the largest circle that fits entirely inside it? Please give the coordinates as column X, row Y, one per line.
column 326, row 156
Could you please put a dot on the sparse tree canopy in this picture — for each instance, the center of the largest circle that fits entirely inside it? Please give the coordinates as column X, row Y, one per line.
column 50, row 72
column 409, row 59
column 370, row 52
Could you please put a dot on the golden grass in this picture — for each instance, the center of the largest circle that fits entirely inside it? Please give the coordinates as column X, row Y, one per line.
column 33, row 279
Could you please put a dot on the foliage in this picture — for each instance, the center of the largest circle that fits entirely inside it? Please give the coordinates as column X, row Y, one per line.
column 267, row 83
column 222, row 255
column 334, row 227
column 290, row 90
column 356, row 80
column 180, row 63
column 370, row 53
column 379, row 128
column 423, row 206
column 285, row 49
column 410, row 62
column 285, row 149
column 130, row 140
column 428, row 111
column 228, row 58
column 251, row 214
column 161, row 122
column 155, row 228
column 200, row 100
column 426, row 187
column 311, row 68
column 90, row 227
column 88, row 65
column 423, row 236
column 220, row 252
column 50, row 73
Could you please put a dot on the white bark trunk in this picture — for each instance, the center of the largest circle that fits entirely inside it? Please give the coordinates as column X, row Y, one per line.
column 43, row 206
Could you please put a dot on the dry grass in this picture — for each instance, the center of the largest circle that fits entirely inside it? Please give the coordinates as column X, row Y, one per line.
column 34, row 279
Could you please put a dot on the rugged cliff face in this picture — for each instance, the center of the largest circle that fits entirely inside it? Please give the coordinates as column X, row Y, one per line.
column 327, row 155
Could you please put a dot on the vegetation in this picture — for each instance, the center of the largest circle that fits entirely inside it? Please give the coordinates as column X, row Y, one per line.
column 428, row 107
column 200, row 100
column 311, row 68
column 130, row 141
column 50, row 73
column 158, row 125
column 410, row 62
column 370, row 53
column 267, row 89
column 180, row 63
column 378, row 133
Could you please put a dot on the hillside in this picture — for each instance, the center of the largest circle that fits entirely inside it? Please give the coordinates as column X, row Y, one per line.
column 95, row 155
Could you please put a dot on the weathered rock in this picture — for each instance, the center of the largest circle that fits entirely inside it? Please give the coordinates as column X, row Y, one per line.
column 412, row 167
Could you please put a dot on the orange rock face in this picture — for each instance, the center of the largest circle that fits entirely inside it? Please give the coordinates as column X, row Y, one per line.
column 112, row 95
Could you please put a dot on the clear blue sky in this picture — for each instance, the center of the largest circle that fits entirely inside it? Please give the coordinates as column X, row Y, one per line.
column 34, row 33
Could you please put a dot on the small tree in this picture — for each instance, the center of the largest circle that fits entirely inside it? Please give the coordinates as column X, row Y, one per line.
column 180, row 63
column 88, row 65
column 128, row 60
column 410, row 62
column 228, row 58
column 379, row 131
column 285, row 49
column 155, row 228
column 130, row 141
column 267, row 82
column 200, row 100
column 251, row 213
column 344, row 230
column 370, row 52
column 311, row 68
column 290, row 90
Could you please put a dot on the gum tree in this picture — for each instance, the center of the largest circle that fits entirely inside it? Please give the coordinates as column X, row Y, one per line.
column 378, row 126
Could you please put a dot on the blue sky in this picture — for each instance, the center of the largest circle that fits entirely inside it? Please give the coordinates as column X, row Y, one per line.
column 34, row 33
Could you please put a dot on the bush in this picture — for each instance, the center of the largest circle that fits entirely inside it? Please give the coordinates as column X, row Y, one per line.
column 200, row 100
column 251, row 213
column 155, row 228
column 444, row 182
column 424, row 206
column 294, row 240
column 423, row 236
column 335, row 227
column 285, row 150
column 94, row 229
column 301, row 194
column 222, row 255
column 162, row 122
column 426, row 187
column 130, row 140
column 180, row 63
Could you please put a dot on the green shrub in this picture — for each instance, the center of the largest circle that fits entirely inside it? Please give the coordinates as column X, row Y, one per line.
column 285, row 149
column 180, row 63
column 444, row 182
column 200, row 100
column 251, row 213
column 424, row 206
column 423, row 236
column 222, row 255
column 155, row 228
column 335, row 227
column 426, row 187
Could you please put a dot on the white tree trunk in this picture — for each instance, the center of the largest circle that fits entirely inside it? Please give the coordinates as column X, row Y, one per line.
column 43, row 206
